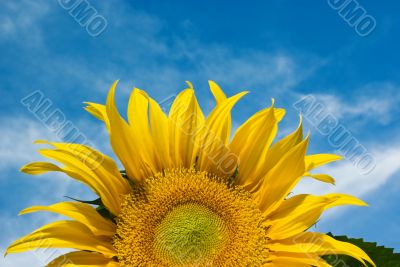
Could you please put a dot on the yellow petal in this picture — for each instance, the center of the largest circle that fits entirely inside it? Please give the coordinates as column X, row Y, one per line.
column 160, row 134
column 321, row 177
column 37, row 168
column 138, row 107
column 80, row 212
column 219, row 95
column 298, row 213
column 285, row 259
column 316, row 160
column 279, row 114
column 98, row 111
column 89, row 166
column 138, row 110
column 104, row 169
column 251, row 144
column 321, row 244
column 82, row 259
column 185, row 120
column 63, row 234
column 213, row 138
column 280, row 148
column 126, row 144
column 101, row 164
column 239, row 143
column 285, row 263
column 282, row 178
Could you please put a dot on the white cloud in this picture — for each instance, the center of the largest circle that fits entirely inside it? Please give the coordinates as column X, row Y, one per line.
column 19, row 133
column 377, row 101
column 16, row 144
column 17, row 149
column 350, row 180
column 20, row 21
column 14, row 228
column 148, row 58
column 18, row 260
column 153, row 60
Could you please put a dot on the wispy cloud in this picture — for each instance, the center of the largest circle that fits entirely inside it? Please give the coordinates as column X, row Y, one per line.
column 375, row 101
column 149, row 59
column 140, row 49
column 38, row 257
column 349, row 180
column 20, row 21
column 17, row 149
column 16, row 144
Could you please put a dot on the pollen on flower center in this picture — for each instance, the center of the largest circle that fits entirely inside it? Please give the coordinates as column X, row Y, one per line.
column 182, row 217
column 190, row 233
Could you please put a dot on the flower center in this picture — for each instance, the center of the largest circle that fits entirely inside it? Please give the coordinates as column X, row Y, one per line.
column 182, row 217
column 191, row 233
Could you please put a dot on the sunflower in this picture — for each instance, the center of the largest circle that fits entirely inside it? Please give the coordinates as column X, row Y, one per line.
column 189, row 195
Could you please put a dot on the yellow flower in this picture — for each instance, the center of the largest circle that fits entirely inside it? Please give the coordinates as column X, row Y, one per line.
column 189, row 196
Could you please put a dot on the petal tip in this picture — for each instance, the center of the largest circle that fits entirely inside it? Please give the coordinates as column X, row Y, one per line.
column 189, row 84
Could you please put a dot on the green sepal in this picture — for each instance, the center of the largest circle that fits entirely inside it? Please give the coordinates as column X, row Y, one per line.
column 91, row 202
column 123, row 174
column 105, row 213
column 101, row 209
column 382, row 256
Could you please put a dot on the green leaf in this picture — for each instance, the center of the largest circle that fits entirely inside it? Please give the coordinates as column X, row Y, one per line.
column 383, row 257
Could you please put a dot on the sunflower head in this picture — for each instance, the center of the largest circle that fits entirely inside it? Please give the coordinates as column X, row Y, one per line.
column 188, row 218
column 190, row 195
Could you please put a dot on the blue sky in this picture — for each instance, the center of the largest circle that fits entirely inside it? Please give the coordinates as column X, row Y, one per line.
column 276, row 49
